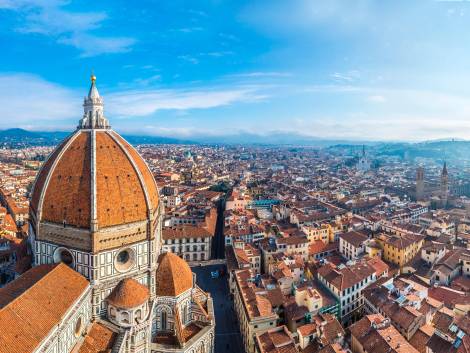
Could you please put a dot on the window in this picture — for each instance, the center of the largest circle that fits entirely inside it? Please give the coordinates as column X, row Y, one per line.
column 124, row 260
column 185, row 314
column 125, row 317
column 163, row 319
column 138, row 315
column 63, row 255
column 78, row 327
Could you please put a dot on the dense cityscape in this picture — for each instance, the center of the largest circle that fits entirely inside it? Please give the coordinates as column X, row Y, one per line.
column 248, row 176
column 295, row 249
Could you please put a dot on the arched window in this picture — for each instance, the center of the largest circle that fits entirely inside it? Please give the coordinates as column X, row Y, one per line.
column 125, row 317
column 112, row 312
column 163, row 320
column 78, row 327
column 138, row 315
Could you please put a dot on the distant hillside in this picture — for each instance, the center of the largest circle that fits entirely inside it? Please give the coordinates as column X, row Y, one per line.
column 21, row 137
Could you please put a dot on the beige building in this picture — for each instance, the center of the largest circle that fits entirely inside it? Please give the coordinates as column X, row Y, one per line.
column 253, row 308
column 193, row 243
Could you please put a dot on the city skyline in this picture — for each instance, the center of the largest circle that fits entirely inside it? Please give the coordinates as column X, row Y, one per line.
column 339, row 70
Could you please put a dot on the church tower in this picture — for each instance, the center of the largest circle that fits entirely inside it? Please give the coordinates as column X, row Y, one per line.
column 444, row 186
column 419, row 183
column 363, row 165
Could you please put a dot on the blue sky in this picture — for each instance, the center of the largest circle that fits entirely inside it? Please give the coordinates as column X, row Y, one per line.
column 352, row 69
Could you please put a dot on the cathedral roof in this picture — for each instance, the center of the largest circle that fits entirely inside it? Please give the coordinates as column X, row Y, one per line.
column 35, row 303
column 174, row 275
column 94, row 179
column 128, row 294
column 100, row 339
column 94, row 175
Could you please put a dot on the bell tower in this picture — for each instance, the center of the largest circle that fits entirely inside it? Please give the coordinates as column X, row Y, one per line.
column 419, row 183
column 444, row 185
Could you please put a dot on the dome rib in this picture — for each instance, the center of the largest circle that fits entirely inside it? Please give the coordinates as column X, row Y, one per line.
column 144, row 170
column 66, row 195
column 137, row 170
column 43, row 173
column 120, row 197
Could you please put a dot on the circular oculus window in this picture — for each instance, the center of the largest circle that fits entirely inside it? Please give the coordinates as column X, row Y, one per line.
column 63, row 255
column 124, row 260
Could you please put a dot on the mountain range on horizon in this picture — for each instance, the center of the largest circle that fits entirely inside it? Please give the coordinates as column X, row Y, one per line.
column 18, row 136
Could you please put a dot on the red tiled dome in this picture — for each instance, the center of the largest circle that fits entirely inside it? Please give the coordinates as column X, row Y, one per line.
column 94, row 175
column 128, row 294
column 174, row 275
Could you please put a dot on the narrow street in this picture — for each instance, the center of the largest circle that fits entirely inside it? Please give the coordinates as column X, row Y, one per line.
column 227, row 334
column 218, row 243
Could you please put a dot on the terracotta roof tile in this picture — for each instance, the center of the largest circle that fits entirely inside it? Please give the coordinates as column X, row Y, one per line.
column 100, row 339
column 120, row 197
column 42, row 175
column 67, row 197
column 120, row 192
column 173, row 276
column 32, row 305
column 128, row 294
column 144, row 170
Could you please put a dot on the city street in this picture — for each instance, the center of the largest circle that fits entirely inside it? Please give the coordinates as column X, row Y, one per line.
column 227, row 334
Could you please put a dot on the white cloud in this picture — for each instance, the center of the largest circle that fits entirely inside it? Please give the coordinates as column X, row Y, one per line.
column 28, row 99
column 377, row 99
column 146, row 102
column 348, row 77
column 71, row 28
column 91, row 45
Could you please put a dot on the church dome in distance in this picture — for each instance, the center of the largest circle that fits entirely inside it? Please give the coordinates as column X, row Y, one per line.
column 174, row 275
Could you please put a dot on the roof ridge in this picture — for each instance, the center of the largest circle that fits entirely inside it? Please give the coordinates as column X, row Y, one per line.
column 134, row 166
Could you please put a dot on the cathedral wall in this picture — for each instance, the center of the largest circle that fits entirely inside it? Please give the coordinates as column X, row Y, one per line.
column 114, row 237
column 71, row 329
column 63, row 235
column 99, row 267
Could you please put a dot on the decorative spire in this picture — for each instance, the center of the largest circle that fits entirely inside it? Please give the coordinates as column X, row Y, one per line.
column 93, row 92
column 444, row 169
column 93, row 116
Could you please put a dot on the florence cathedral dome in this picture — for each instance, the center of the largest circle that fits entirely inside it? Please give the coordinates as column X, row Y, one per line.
column 92, row 181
